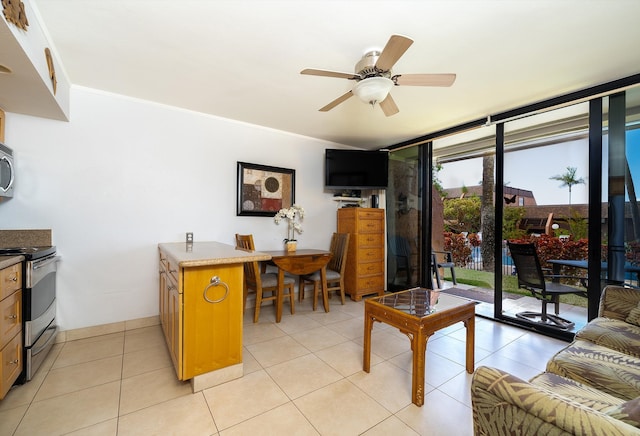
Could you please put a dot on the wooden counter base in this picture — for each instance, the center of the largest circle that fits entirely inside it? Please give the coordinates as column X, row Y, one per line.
column 217, row 377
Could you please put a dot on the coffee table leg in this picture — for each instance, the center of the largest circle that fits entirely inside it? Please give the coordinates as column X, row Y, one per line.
column 419, row 345
column 366, row 354
column 470, row 324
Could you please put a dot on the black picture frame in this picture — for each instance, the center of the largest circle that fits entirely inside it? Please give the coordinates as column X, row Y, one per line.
column 263, row 190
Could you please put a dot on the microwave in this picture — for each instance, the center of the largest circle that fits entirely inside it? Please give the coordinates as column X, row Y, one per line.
column 7, row 173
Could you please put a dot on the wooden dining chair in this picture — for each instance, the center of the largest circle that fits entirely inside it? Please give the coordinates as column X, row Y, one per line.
column 263, row 284
column 335, row 270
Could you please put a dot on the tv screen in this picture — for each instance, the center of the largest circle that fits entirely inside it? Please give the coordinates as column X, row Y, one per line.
column 355, row 169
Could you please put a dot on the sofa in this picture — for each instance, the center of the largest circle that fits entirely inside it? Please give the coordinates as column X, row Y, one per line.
column 590, row 387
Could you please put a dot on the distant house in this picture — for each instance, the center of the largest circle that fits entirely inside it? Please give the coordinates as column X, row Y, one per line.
column 539, row 218
column 512, row 196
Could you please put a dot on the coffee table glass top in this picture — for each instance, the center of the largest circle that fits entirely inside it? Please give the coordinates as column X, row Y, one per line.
column 420, row 302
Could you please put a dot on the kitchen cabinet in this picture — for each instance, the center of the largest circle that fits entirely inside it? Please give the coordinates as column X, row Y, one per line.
column 201, row 297
column 36, row 84
column 170, row 313
column 11, row 360
column 2, row 118
column 364, row 274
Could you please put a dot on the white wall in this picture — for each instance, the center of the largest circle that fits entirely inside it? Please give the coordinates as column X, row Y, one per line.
column 124, row 175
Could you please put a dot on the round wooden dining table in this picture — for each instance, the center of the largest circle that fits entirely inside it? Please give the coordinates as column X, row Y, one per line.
column 300, row 262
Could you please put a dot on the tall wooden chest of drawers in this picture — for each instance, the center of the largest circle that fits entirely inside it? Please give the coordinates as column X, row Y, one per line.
column 364, row 273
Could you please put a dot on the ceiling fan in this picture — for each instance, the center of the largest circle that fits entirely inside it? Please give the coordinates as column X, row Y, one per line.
column 374, row 78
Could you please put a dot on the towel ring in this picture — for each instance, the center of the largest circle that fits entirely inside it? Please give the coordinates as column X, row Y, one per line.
column 215, row 281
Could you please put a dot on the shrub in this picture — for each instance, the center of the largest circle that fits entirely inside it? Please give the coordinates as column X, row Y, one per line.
column 551, row 247
column 474, row 239
column 462, row 214
column 578, row 226
column 456, row 243
column 510, row 220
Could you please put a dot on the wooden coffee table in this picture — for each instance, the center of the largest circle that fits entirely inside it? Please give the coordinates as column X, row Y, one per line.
column 419, row 313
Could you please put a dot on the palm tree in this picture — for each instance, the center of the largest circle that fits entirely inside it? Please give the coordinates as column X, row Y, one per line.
column 569, row 179
column 487, row 213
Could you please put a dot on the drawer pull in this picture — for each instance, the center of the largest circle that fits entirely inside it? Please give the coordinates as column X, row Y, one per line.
column 14, row 279
column 215, row 281
column 13, row 362
column 13, row 316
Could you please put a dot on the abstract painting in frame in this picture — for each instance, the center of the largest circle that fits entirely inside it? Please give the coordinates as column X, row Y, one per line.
column 264, row 190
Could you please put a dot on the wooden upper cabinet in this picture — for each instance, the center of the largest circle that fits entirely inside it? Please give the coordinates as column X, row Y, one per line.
column 1, row 126
column 36, row 83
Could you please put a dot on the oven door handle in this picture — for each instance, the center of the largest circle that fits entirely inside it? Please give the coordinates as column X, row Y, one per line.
column 39, row 268
column 51, row 331
column 11, row 172
column 45, row 262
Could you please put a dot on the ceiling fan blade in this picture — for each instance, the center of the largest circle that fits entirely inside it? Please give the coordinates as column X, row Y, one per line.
column 425, row 79
column 395, row 48
column 313, row 72
column 388, row 106
column 336, row 102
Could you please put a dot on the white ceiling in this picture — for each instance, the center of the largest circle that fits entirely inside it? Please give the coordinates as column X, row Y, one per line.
column 241, row 59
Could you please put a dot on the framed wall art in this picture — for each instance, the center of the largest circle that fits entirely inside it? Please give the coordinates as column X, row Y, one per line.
column 264, row 190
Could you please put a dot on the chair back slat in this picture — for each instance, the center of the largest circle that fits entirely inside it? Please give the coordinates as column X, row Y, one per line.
column 339, row 247
column 251, row 269
column 528, row 268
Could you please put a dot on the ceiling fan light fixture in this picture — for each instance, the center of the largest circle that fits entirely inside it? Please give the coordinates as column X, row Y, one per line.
column 373, row 90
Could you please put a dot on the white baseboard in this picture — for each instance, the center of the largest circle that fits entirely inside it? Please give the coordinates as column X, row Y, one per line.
column 105, row 329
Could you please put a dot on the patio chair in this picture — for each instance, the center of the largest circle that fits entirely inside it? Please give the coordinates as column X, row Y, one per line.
column 400, row 250
column 443, row 259
column 531, row 277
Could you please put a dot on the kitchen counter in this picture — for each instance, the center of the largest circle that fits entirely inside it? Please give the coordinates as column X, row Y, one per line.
column 201, row 289
column 6, row 261
column 209, row 253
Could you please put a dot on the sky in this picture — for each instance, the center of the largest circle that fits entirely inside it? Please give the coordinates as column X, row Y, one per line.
column 532, row 170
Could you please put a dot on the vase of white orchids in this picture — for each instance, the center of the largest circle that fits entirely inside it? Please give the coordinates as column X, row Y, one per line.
column 293, row 215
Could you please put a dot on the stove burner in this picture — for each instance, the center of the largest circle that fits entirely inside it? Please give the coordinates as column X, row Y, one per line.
column 29, row 253
column 18, row 250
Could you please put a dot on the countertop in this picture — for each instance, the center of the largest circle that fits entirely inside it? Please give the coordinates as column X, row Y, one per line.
column 209, row 253
column 7, row 261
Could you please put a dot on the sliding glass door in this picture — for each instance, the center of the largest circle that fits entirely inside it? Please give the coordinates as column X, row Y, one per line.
column 404, row 217
column 545, row 203
column 621, row 176
column 563, row 178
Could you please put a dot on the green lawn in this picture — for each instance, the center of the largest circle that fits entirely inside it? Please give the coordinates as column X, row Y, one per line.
column 483, row 279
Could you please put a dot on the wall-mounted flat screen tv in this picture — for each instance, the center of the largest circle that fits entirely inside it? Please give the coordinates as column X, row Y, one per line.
column 355, row 169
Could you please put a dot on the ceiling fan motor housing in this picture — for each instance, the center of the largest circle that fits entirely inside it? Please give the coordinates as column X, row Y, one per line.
column 366, row 67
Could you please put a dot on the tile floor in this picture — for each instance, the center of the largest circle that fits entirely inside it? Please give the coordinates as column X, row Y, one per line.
column 302, row 376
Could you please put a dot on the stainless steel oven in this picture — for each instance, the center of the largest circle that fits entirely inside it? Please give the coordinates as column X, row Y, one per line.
column 38, row 304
